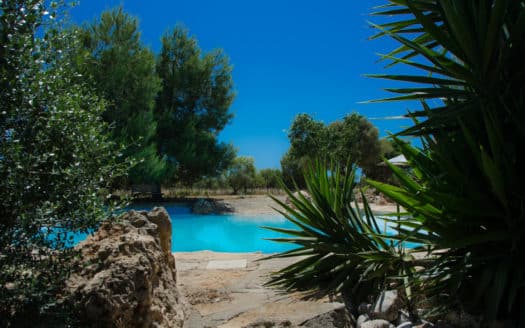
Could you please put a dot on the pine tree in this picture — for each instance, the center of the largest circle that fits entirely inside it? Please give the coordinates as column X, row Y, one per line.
column 193, row 107
column 123, row 71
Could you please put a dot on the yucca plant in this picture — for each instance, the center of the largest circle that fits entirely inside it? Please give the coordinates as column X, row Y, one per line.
column 466, row 195
column 340, row 246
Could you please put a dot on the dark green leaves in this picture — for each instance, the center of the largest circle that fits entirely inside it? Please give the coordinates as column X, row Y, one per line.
column 352, row 137
column 123, row 71
column 193, row 106
column 57, row 162
column 340, row 246
column 465, row 189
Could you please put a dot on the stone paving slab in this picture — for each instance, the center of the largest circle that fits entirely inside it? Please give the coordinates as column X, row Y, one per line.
column 227, row 264
column 238, row 297
column 184, row 266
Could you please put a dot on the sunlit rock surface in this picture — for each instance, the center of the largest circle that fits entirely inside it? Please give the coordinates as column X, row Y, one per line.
column 126, row 276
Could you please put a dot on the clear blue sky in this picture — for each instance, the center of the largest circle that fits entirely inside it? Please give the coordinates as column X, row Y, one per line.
column 289, row 57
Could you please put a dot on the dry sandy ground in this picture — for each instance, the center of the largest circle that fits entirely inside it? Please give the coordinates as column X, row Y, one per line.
column 261, row 204
column 237, row 297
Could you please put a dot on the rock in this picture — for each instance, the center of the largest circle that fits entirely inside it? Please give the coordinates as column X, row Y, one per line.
column 126, row 275
column 386, row 306
column 269, row 324
column 160, row 217
column 423, row 324
column 362, row 319
column 203, row 206
column 402, row 317
column 406, row 324
column 210, row 206
column 364, row 308
column 224, row 207
column 332, row 319
column 378, row 323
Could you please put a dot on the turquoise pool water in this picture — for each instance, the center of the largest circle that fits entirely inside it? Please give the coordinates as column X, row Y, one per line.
column 224, row 233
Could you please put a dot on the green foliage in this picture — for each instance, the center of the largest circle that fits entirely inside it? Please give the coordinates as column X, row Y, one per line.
column 193, row 107
column 387, row 150
column 292, row 170
column 270, row 178
column 352, row 137
column 54, row 172
column 307, row 137
column 212, row 183
column 342, row 247
column 123, row 71
column 465, row 195
column 241, row 174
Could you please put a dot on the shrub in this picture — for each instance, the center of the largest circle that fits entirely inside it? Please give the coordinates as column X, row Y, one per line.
column 466, row 194
column 342, row 247
column 56, row 162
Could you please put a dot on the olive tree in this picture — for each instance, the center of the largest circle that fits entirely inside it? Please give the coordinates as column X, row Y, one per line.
column 56, row 161
column 241, row 174
column 352, row 138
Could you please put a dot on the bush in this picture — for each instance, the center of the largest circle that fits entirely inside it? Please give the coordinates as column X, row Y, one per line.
column 56, row 162
column 343, row 248
column 466, row 194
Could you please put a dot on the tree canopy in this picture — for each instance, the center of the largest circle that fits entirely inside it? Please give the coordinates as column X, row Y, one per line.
column 270, row 178
column 352, row 139
column 123, row 71
column 193, row 107
column 242, row 174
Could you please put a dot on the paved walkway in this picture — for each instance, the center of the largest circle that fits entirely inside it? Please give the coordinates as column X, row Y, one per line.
column 227, row 290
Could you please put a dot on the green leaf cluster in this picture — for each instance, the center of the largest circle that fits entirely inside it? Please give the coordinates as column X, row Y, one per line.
column 57, row 161
column 241, row 174
column 192, row 107
column 465, row 193
column 352, row 137
column 168, row 109
column 341, row 247
column 123, row 72
column 269, row 178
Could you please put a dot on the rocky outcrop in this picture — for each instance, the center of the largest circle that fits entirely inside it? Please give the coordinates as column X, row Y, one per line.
column 126, row 275
column 211, row 206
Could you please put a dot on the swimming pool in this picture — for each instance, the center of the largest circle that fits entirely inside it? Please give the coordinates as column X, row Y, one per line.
column 224, row 233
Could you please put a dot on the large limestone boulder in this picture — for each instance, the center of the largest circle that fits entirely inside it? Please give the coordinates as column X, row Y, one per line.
column 126, row 276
